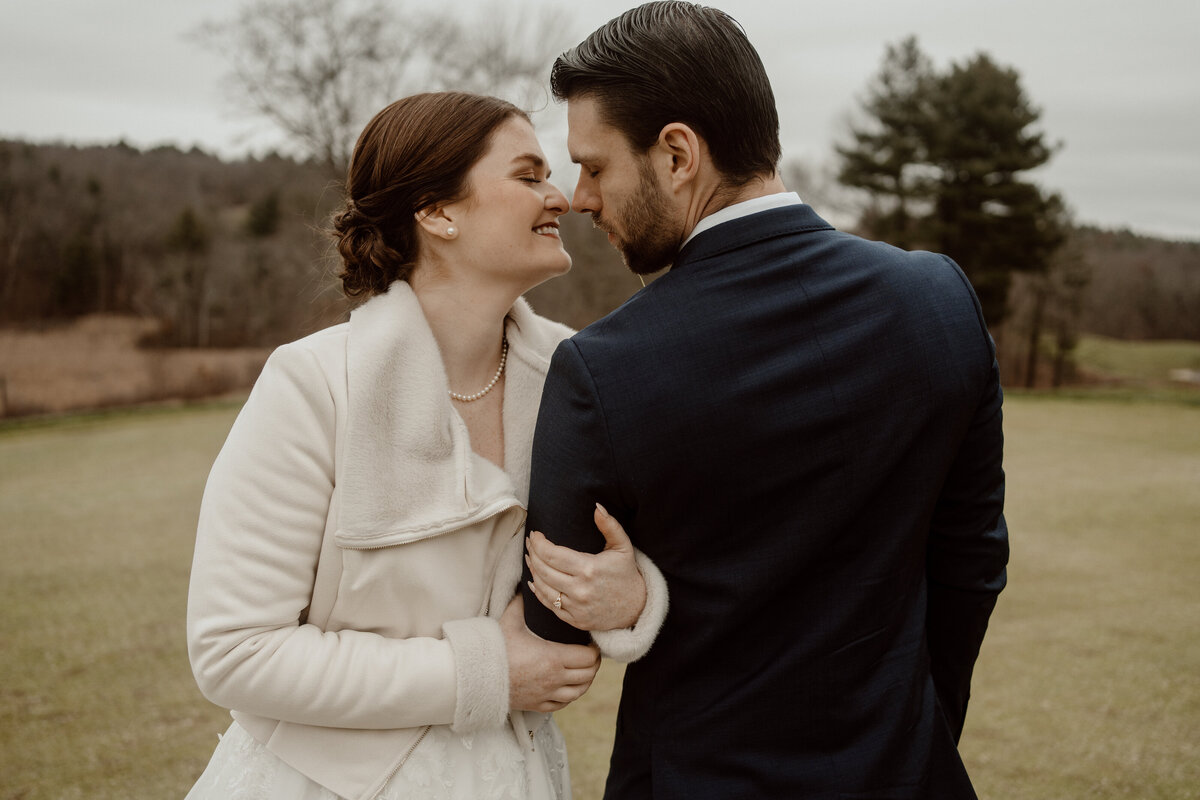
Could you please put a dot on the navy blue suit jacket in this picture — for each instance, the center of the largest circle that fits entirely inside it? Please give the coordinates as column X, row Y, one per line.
column 802, row 429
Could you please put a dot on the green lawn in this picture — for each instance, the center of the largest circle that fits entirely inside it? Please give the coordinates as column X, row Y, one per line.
column 1088, row 685
column 1138, row 362
column 1089, row 680
column 96, row 697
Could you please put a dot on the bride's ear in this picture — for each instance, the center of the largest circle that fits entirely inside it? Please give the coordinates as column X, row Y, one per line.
column 437, row 221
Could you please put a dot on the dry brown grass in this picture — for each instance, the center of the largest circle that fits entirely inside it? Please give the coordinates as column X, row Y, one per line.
column 95, row 362
column 1088, row 685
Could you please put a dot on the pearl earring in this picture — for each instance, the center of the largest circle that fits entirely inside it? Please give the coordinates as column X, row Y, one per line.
column 452, row 232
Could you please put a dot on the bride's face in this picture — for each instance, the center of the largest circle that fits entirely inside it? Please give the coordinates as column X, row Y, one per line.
column 508, row 224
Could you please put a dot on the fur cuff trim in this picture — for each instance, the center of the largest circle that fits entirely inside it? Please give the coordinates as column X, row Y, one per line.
column 481, row 667
column 629, row 644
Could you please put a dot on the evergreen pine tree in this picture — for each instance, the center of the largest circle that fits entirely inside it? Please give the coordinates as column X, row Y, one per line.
column 941, row 157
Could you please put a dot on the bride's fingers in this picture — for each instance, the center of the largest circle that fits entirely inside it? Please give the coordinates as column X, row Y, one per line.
column 615, row 537
column 544, row 595
column 579, row 677
column 563, row 696
column 546, row 570
column 569, row 694
column 563, row 559
column 549, row 585
column 548, row 596
column 545, row 583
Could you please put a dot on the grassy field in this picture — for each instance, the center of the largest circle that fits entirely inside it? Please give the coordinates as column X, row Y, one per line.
column 1088, row 685
column 1144, row 363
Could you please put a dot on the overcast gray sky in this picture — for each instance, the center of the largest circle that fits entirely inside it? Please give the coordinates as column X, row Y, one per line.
column 1118, row 82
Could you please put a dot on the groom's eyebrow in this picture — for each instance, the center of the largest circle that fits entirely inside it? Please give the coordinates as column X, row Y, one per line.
column 585, row 158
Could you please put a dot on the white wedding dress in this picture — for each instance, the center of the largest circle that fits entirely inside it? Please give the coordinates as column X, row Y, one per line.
column 485, row 765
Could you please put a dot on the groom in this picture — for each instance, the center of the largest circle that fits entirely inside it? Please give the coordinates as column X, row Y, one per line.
column 801, row 428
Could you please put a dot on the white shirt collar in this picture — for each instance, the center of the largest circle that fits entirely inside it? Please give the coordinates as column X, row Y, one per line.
column 744, row 209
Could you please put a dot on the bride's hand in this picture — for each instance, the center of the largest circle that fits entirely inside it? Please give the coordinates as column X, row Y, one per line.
column 542, row 675
column 599, row 592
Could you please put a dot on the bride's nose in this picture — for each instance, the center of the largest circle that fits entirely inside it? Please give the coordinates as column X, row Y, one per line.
column 556, row 201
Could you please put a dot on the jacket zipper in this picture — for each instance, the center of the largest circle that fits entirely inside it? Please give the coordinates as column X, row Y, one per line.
column 401, row 762
column 491, row 579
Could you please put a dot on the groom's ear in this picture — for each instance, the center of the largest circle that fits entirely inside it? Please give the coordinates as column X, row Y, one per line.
column 679, row 149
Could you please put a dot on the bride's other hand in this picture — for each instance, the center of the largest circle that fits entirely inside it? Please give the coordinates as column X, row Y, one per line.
column 542, row 675
column 594, row 592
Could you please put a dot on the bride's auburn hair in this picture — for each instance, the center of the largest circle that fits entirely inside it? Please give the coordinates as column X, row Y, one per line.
column 413, row 154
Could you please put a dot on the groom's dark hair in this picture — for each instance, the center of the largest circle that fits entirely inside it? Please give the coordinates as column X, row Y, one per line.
column 672, row 61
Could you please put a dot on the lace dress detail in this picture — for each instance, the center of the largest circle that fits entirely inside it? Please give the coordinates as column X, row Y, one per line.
column 552, row 748
column 485, row 765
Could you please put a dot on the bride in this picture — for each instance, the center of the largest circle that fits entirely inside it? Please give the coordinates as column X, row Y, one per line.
column 361, row 534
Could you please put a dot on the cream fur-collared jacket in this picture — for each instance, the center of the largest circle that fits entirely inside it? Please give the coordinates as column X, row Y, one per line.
column 353, row 553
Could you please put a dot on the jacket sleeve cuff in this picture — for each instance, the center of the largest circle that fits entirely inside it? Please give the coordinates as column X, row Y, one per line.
column 629, row 644
column 481, row 669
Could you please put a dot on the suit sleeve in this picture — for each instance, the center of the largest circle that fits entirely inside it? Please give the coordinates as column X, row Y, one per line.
column 968, row 550
column 572, row 470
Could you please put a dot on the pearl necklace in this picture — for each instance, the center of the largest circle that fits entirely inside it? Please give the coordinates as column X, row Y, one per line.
column 467, row 398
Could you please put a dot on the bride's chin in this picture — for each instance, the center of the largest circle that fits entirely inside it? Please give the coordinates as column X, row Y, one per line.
column 561, row 268
column 557, row 273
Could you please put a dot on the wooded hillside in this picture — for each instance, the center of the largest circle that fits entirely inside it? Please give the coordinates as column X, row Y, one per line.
column 234, row 254
column 225, row 254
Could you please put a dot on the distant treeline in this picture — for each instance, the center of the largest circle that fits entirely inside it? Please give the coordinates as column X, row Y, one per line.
column 1140, row 287
column 224, row 253
column 233, row 253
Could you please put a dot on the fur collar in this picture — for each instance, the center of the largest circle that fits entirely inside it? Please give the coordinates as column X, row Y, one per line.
column 407, row 468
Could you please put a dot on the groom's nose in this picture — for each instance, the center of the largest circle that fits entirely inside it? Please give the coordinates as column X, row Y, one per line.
column 586, row 199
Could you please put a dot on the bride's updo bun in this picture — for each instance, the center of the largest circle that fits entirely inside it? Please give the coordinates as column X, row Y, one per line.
column 414, row 154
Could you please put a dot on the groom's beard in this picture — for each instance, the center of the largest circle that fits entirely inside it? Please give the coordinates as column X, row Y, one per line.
column 646, row 242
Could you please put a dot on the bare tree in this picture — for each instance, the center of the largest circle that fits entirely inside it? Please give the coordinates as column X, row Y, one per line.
column 818, row 186
column 506, row 51
column 312, row 68
column 1047, row 307
column 318, row 69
